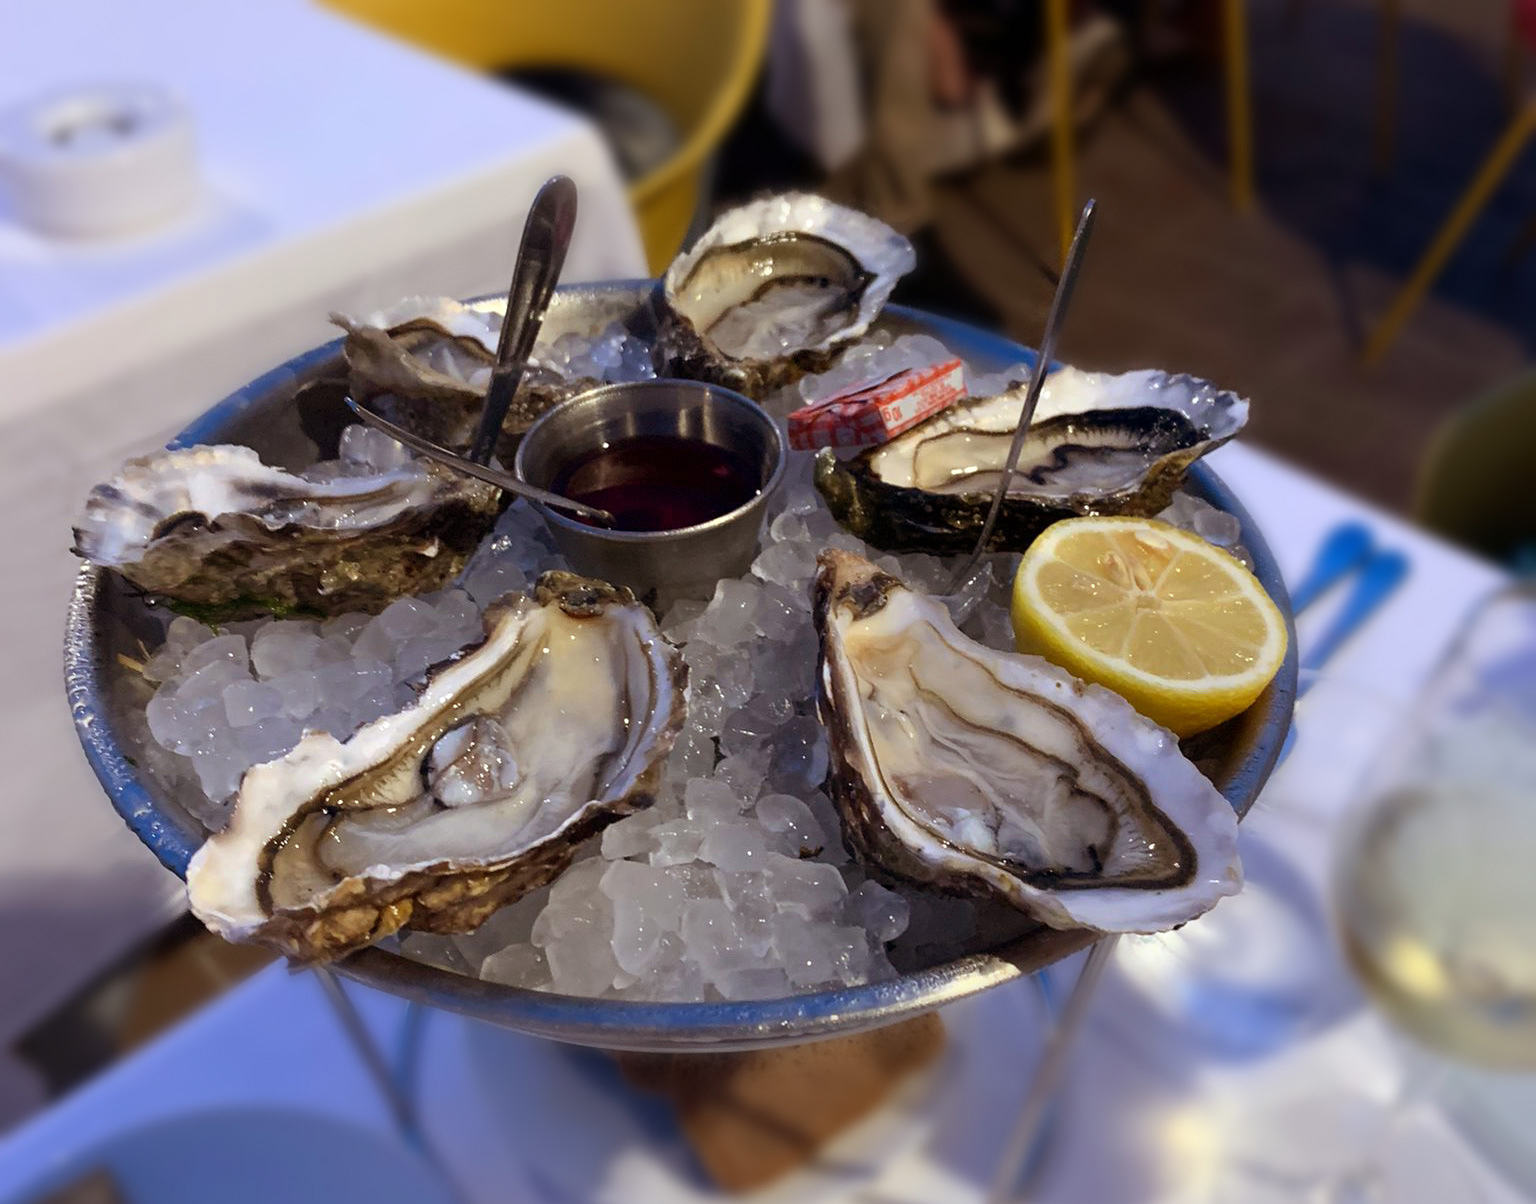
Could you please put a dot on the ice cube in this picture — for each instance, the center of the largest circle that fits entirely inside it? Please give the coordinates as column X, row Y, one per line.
column 672, row 978
column 210, row 681
column 575, row 930
column 789, row 817
column 163, row 665
column 267, row 739
column 283, row 647
column 636, row 937
column 735, row 679
column 808, row 953
column 766, row 982
column 746, row 893
column 883, row 913
column 676, row 843
column 745, row 772
column 371, row 451
column 488, row 580
column 404, row 618
column 1218, row 527
column 247, row 702
column 807, row 888
column 630, row 837
column 374, row 643
column 791, row 565
column 800, row 755
column 710, row 802
column 830, row 822
column 185, row 634
column 789, row 525
column 510, row 925
column 693, row 755
column 970, row 594
column 729, row 617
column 649, row 889
column 299, row 691
column 338, row 686
column 518, row 966
column 347, row 627
column 734, row 847
column 747, row 731
column 219, row 773
column 224, row 648
column 713, row 940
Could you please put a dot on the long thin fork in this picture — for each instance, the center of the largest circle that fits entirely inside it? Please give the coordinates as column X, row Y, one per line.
column 1053, row 323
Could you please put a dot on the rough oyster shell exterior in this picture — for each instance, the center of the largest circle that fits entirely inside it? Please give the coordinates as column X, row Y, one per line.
column 425, row 364
column 905, row 517
column 221, row 536
column 881, row 255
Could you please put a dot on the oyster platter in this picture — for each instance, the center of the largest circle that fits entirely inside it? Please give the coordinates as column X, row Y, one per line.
column 370, row 712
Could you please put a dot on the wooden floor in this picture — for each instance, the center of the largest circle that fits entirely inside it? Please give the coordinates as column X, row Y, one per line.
column 1274, row 302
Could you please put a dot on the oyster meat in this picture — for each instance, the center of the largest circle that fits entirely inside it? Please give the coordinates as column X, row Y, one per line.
column 774, row 288
column 1098, row 444
column 998, row 774
column 556, row 725
column 425, row 364
column 220, row 534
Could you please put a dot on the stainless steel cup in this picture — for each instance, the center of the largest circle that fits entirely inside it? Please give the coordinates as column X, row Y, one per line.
column 660, row 566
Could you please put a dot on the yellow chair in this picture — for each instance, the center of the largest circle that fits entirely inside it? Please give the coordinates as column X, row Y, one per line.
column 697, row 59
column 1475, row 485
column 1519, row 131
column 1058, row 25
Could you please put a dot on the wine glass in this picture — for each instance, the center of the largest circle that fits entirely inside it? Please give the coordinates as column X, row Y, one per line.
column 1435, row 875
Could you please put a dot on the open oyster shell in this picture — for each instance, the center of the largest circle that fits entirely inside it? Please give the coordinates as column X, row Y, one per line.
column 1098, row 444
column 223, row 536
column 432, row 818
column 425, row 364
column 998, row 774
column 774, row 288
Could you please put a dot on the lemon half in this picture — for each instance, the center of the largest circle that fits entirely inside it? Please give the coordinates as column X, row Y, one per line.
column 1171, row 623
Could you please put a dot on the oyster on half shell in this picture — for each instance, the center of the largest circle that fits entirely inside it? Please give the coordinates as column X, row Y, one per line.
column 432, row 818
column 425, row 364
column 1098, row 444
column 998, row 774
column 220, row 534
column 774, row 288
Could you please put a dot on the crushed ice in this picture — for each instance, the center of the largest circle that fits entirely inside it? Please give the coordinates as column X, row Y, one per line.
column 735, row 884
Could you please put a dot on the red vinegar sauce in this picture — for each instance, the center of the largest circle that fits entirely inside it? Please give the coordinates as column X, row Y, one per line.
column 660, row 482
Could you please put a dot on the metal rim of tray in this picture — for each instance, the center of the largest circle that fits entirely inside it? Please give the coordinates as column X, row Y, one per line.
column 625, row 1024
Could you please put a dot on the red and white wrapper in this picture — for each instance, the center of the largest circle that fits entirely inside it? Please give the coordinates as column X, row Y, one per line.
column 877, row 413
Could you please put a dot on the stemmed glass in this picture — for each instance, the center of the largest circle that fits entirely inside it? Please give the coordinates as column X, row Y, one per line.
column 1434, row 884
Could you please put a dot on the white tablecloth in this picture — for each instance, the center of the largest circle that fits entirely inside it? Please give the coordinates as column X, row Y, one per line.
column 343, row 170
column 1145, row 1119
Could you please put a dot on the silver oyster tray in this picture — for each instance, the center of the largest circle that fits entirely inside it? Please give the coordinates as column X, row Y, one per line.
column 285, row 415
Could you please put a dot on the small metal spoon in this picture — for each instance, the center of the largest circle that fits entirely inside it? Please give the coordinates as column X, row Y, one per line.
column 546, row 236
column 1047, row 353
column 480, row 472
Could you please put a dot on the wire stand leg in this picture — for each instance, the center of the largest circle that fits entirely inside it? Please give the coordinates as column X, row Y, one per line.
column 401, row 1109
column 1043, row 1088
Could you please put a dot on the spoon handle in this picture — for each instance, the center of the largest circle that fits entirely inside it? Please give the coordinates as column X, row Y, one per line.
column 546, row 236
column 479, row 471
